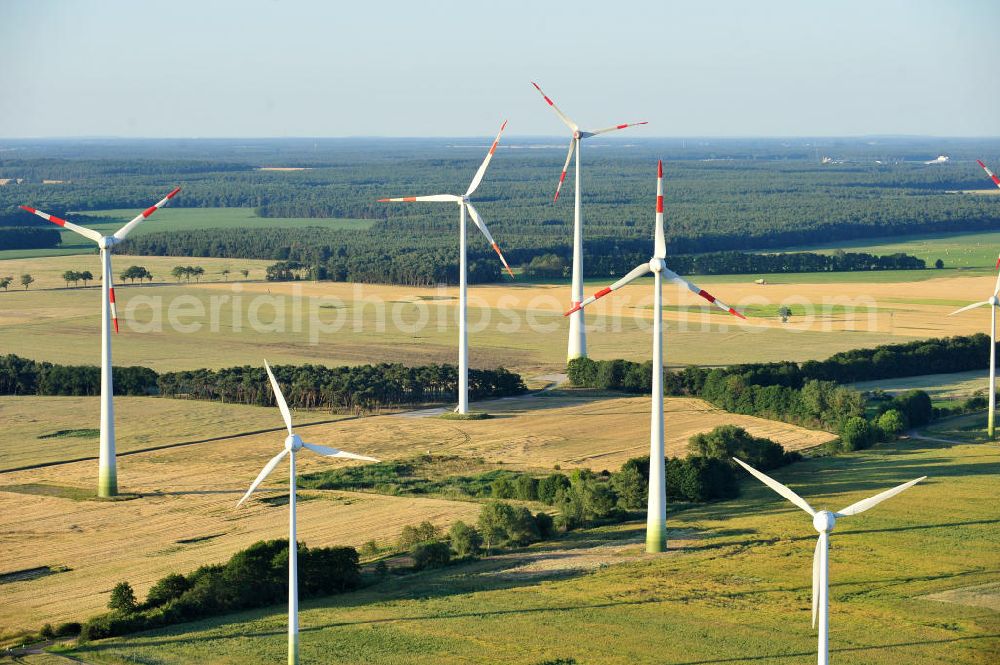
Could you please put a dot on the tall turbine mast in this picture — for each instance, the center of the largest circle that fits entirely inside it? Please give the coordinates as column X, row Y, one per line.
column 993, row 302
column 464, row 204
column 577, row 345
column 656, row 515
column 823, row 521
column 293, row 444
column 107, row 477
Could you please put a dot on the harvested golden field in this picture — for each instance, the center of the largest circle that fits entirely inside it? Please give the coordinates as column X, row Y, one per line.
column 41, row 430
column 185, row 518
column 171, row 326
column 571, row 431
column 48, row 270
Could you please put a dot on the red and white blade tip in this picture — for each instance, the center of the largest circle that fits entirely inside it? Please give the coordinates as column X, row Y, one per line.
column 712, row 299
column 659, row 169
column 496, row 248
column 997, row 266
column 993, row 176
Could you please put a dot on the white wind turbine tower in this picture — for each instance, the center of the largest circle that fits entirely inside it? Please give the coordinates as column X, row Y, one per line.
column 823, row 522
column 107, row 480
column 993, row 302
column 577, row 346
column 656, row 516
column 293, row 444
column 463, row 205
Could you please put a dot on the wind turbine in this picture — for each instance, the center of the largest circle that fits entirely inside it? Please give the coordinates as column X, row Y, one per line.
column 107, row 477
column 993, row 302
column 577, row 346
column 656, row 516
column 293, row 444
column 823, row 522
column 463, row 205
column 993, row 176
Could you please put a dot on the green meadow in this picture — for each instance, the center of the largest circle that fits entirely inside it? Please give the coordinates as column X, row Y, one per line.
column 957, row 250
column 911, row 582
column 173, row 219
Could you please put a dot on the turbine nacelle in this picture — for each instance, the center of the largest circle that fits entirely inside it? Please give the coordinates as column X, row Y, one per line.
column 107, row 242
column 994, row 301
column 293, row 443
column 824, row 521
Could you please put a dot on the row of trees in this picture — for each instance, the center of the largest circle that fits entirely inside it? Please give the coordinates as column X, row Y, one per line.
column 254, row 577
column 305, row 386
column 77, row 276
column 21, row 376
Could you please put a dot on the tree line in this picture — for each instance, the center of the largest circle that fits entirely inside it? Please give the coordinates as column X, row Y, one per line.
column 254, row 577
column 29, row 237
column 354, row 387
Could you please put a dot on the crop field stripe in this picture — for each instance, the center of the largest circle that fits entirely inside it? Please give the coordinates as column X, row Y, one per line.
column 180, row 444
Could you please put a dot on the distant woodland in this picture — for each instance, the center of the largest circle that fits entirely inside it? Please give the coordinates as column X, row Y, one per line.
column 722, row 197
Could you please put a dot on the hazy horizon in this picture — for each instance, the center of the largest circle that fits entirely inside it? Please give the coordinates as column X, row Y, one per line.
column 780, row 68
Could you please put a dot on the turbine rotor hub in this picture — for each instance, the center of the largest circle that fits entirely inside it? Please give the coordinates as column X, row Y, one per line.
column 824, row 521
column 293, row 443
column 657, row 265
column 994, row 301
column 107, row 242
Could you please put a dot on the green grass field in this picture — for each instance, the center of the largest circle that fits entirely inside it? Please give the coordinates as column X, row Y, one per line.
column 174, row 219
column 957, row 250
column 734, row 589
column 941, row 387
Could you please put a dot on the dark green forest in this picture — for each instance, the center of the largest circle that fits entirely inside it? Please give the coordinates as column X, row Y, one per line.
column 721, row 196
column 304, row 386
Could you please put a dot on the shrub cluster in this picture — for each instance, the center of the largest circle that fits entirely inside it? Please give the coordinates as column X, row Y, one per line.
column 254, row 577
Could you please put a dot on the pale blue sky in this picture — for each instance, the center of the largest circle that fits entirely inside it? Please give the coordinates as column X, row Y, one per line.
column 425, row 68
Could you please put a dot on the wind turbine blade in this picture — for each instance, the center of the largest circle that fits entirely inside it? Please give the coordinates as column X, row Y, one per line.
column 59, row 221
column 279, row 398
column 993, row 176
column 968, row 307
column 815, row 598
column 124, row 231
column 109, row 275
column 660, row 241
column 333, row 452
column 617, row 127
column 635, row 274
column 268, row 468
column 486, row 162
column 777, row 487
column 862, row 506
column 674, row 277
column 562, row 176
column 486, row 232
column 562, row 116
column 432, row 197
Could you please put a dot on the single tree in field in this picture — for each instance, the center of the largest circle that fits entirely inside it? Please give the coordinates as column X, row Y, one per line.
column 178, row 272
column 197, row 271
column 71, row 276
column 225, row 274
column 122, row 598
column 245, row 273
column 86, row 276
column 939, row 264
column 26, row 280
column 5, row 282
column 785, row 313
